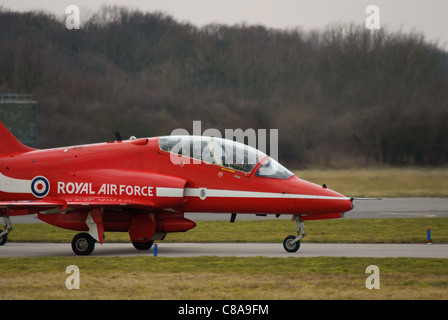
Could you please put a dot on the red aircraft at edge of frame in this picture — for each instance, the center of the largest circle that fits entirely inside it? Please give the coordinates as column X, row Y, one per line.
column 144, row 186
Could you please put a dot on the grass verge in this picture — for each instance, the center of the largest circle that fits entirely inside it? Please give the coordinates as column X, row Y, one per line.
column 223, row 278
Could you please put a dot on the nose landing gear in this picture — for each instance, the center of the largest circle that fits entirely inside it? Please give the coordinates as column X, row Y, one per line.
column 292, row 243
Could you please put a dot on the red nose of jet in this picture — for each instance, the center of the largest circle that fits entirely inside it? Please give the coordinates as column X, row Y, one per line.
column 323, row 200
column 339, row 202
column 346, row 205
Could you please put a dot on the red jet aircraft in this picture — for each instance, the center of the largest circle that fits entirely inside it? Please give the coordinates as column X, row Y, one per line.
column 145, row 186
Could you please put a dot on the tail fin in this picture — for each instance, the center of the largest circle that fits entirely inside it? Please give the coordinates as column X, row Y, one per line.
column 9, row 144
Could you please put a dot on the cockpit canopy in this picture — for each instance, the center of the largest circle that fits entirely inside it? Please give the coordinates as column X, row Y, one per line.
column 225, row 153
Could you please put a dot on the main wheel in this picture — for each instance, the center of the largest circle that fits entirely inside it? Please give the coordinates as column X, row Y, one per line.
column 83, row 244
column 289, row 245
column 3, row 239
column 143, row 245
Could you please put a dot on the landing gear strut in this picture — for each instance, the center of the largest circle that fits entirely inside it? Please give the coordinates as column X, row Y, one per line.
column 4, row 233
column 292, row 243
column 83, row 243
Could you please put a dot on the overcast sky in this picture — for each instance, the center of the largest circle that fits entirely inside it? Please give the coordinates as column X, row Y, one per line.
column 427, row 16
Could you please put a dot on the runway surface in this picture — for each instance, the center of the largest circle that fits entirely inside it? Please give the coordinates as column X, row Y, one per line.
column 17, row 249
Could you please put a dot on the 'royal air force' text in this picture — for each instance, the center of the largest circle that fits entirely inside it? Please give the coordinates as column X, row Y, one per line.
column 106, row 189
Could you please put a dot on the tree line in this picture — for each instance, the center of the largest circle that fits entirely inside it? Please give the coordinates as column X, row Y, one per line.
column 340, row 96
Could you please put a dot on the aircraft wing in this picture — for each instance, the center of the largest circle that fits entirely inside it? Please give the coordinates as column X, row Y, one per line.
column 23, row 207
column 110, row 202
column 24, row 204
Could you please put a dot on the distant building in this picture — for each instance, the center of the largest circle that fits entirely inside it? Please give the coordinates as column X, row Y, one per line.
column 18, row 114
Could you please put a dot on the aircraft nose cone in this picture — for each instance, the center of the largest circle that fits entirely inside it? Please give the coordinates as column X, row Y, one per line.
column 322, row 200
column 343, row 204
column 348, row 205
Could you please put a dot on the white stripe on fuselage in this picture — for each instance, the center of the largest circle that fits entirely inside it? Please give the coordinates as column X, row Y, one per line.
column 11, row 185
column 169, row 192
column 217, row 193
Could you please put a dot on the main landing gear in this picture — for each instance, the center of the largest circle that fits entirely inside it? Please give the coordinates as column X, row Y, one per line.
column 8, row 228
column 83, row 244
column 292, row 243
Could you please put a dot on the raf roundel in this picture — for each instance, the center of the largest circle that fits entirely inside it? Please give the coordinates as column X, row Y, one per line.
column 40, row 186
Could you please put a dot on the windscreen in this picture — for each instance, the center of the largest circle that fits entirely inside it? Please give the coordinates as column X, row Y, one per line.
column 213, row 150
column 272, row 169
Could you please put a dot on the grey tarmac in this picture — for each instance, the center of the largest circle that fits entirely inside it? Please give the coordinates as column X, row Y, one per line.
column 380, row 250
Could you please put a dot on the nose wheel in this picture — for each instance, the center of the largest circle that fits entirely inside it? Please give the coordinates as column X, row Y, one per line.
column 292, row 243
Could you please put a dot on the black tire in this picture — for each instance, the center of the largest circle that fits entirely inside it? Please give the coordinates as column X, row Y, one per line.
column 3, row 239
column 143, row 245
column 83, row 244
column 289, row 246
